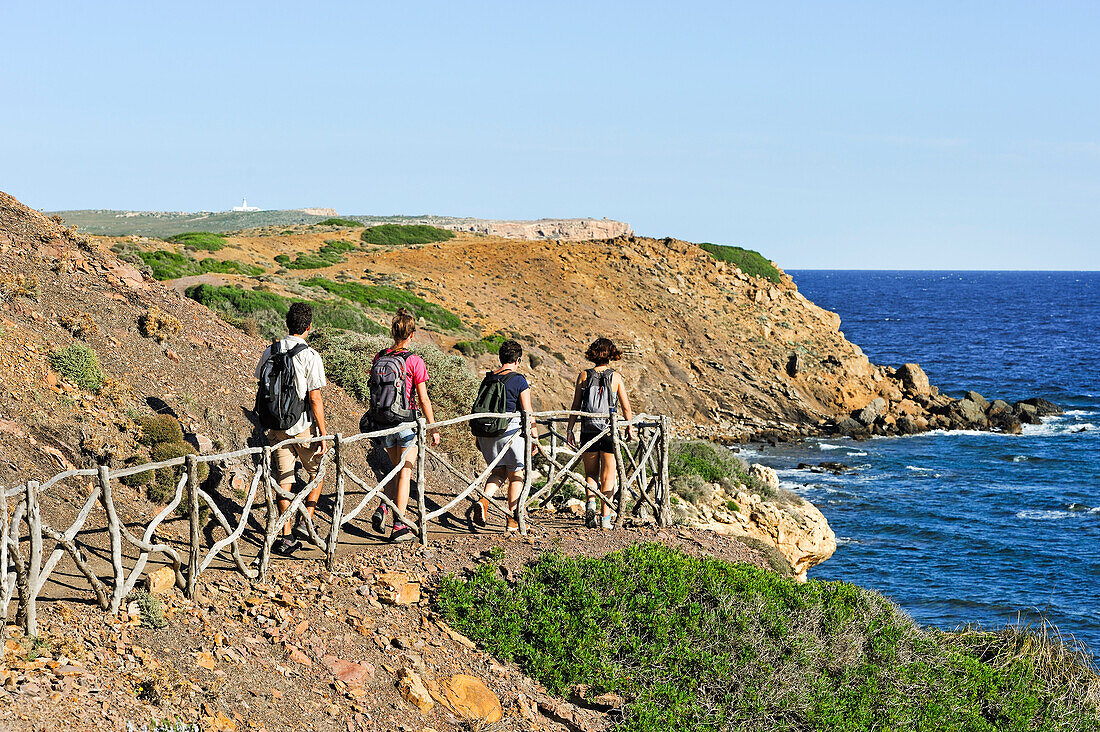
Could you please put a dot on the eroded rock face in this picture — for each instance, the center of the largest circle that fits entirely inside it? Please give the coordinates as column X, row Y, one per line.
column 791, row 524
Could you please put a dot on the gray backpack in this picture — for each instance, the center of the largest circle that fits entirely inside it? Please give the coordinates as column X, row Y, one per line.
column 387, row 383
column 598, row 396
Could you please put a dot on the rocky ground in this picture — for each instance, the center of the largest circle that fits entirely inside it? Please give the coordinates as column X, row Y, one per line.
column 358, row 648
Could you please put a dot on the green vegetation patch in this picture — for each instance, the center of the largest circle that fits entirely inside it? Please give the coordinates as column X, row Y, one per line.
column 199, row 240
column 79, row 364
column 395, row 234
column 693, row 464
column 331, row 253
column 350, row 223
column 695, row 643
column 388, row 299
column 488, row 344
column 167, row 265
column 263, row 314
column 748, row 261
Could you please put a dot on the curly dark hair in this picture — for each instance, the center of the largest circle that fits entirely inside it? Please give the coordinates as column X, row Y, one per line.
column 510, row 352
column 299, row 318
column 602, row 351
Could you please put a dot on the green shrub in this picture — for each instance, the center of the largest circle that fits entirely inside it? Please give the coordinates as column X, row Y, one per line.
column 707, row 460
column 695, row 643
column 164, row 487
column 79, row 364
column 775, row 559
column 237, row 300
column 751, row 263
column 157, row 428
column 349, row 223
column 329, row 254
column 388, row 299
column 199, row 240
column 152, row 608
column 393, row 234
column 168, row 265
column 137, row 480
column 488, row 344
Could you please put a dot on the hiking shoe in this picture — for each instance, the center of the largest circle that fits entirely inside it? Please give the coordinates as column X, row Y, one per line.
column 481, row 511
column 401, row 532
column 301, row 532
column 606, row 523
column 512, row 526
column 378, row 520
column 590, row 515
column 285, row 548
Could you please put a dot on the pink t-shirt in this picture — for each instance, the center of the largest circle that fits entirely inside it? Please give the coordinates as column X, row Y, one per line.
column 418, row 370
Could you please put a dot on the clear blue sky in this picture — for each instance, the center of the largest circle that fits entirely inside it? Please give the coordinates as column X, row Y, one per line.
column 824, row 134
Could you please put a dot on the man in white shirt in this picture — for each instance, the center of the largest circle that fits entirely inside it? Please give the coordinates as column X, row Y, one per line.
column 309, row 378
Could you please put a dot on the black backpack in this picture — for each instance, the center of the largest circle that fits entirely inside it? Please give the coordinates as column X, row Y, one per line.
column 598, row 396
column 492, row 398
column 277, row 402
column 389, row 406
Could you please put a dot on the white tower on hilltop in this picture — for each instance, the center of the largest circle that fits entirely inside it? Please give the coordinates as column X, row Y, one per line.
column 244, row 205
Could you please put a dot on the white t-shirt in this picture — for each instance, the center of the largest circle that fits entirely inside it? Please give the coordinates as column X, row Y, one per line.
column 309, row 374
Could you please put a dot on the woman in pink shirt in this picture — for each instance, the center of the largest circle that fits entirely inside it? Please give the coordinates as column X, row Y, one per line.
column 402, row 443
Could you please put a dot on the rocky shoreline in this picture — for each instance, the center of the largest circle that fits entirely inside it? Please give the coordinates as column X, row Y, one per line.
column 908, row 404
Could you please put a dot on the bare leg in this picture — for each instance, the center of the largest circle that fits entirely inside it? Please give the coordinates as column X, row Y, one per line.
column 591, row 462
column 398, row 491
column 607, row 480
column 285, row 504
column 515, row 485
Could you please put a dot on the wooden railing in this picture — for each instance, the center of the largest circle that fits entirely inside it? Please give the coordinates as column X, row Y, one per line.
column 642, row 477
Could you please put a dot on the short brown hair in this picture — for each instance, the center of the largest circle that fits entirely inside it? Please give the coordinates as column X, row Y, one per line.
column 299, row 318
column 603, row 350
column 510, row 352
column 403, row 325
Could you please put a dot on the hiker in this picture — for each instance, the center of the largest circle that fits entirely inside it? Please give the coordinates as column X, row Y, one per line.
column 288, row 401
column 503, row 390
column 599, row 389
column 398, row 383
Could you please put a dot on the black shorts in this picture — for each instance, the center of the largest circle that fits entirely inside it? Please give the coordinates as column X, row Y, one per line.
column 604, row 444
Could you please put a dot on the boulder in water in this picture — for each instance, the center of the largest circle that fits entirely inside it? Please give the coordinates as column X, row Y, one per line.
column 913, row 379
column 1043, row 407
column 978, row 399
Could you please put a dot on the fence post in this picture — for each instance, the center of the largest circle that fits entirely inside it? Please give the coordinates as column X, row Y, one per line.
column 421, row 458
column 551, row 470
column 528, row 471
column 272, row 516
column 338, row 508
column 107, row 497
column 664, row 515
column 196, row 536
column 34, row 526
column 620, row 472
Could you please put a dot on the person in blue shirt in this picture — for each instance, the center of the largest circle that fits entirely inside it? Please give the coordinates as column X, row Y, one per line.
column 509, row 471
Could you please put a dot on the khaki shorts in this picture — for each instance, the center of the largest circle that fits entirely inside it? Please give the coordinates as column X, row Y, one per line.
column 283, row 458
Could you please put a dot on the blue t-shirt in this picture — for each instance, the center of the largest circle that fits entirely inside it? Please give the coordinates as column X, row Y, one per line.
column 514, row 385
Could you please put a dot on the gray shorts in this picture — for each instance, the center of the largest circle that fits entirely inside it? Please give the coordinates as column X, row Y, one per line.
column 513, row 453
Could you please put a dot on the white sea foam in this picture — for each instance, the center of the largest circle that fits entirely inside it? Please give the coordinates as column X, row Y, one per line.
column 1020, row 458
column 842, row 540
column 827, row 446
column 1034, row 514
column 919, row 470
column 856, row 454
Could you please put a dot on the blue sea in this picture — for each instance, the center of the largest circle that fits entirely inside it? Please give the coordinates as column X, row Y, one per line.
column 964, row 527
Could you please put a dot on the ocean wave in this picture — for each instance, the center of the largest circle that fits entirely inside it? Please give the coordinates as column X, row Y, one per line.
column 842, row 540
column 1051, row 428
column 916, row 469
column 827, row 446
column 1035, row 514
column 856, row 454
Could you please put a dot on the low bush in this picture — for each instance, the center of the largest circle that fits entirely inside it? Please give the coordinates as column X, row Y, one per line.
column 199, row 240
column 332, row 252
column 168, row 265
column 394, row 234
column 349, row 223
column 488, row 344
column 79, row 364
column 158, row 428
column 695, row 643
column 237, row 300
column 151, row 608
column 708, row 461
column 748, row 261
column 388, row 299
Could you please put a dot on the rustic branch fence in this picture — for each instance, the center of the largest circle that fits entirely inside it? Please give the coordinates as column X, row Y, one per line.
column 25, row 569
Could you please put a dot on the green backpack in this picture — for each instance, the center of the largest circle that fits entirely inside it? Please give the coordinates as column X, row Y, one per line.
column 492, row 398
